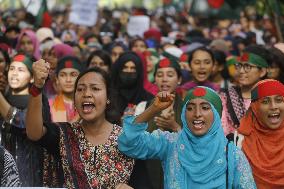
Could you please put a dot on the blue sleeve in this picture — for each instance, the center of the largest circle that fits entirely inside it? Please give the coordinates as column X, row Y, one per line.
column 136, row 142
column 243, row 178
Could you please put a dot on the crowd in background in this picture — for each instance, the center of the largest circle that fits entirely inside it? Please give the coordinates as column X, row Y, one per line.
column 68, row 92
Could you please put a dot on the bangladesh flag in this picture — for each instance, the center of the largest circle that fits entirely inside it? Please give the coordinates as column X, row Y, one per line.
column 43, row 18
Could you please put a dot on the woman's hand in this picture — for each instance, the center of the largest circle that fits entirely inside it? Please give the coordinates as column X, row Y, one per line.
column 162, row 101
column 40, row 72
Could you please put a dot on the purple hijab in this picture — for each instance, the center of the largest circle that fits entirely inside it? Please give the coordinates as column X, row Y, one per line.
column 31, row 34
column 62, row 50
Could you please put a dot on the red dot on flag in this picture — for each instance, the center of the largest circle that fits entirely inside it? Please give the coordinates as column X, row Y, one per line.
column 19, row 58
column 68, row 64
column 245, row 57
column 164, row 63
column 199, row 92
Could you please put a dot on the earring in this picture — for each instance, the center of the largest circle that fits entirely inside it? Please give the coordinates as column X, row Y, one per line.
column 108, row 102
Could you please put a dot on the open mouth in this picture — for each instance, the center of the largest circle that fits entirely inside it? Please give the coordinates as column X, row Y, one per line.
column 88, row 107
column 202, row 74
column 274, row 118
column 165, row 87
column 14, row 81
column 198, row 124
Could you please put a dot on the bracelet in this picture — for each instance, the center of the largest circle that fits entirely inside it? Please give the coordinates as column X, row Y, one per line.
column 35, row 91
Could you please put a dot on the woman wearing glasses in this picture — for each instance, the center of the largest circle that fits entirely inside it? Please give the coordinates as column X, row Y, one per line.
column 251, row 68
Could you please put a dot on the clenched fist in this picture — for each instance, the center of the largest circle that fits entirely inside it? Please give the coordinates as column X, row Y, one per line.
column 40, row 72
column 163, row 100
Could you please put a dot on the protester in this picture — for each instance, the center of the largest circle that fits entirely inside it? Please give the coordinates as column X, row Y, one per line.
column 101, row 59
column 88, row 147
column 167, row 77
column 128, row 82
column 62, row 105
column 201, row 63
column 9, row 176
column 251, row 68
column 28, row 44
column 200, row 155
column 55, row 53
column 117, row 48
column 276, row 68
column 261, row 133
column 138, row 45
column 220, row 73
column 27, row 154
column 152, row 58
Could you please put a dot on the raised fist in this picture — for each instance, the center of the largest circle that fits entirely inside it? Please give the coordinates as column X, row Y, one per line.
column 40, row 72
column 163, row 100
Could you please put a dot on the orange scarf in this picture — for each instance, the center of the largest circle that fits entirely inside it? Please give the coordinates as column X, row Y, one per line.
column 264, row 149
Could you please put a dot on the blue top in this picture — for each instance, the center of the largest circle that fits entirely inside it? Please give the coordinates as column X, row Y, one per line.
column 189, row 161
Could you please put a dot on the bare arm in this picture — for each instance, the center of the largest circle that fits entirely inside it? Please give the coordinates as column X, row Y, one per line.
column 34, row 121
column 161, row 102
column 4, row 107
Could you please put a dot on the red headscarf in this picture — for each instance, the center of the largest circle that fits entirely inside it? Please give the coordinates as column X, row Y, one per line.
column 148, row 86
column 264, row 147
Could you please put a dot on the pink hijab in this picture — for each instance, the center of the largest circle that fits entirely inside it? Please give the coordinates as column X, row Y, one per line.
column 62, row 50
column 31, row 34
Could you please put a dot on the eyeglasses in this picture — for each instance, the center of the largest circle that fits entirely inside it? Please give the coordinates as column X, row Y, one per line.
column 247, row 67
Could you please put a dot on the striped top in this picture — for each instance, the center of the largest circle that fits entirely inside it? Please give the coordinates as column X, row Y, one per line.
column 10, row 175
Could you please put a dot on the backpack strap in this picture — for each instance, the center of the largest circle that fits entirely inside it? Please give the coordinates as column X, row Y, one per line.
column 227, row 170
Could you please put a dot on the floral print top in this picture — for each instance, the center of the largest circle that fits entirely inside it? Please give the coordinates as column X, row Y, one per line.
column 87, row 166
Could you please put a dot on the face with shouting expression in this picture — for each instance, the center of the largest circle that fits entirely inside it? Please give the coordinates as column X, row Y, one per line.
column 199, row 116
column 91, row 97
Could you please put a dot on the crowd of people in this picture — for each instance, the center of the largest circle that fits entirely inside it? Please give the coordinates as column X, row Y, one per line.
column 189, row 104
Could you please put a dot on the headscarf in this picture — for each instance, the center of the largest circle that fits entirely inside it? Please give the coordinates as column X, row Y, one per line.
column 34, row 40
column 148, row 86
column 136, row 93
column 44, row 33
column 148, row 53
column 62, row 50
column 204, row 157
column 264, row 147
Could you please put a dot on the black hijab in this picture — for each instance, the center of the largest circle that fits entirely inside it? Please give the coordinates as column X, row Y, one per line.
column 132, row 92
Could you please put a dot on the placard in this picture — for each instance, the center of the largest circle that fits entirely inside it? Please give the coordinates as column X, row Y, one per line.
column 84, row 12
column 137, row 25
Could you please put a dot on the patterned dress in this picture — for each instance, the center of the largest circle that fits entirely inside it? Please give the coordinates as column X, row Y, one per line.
column 85, row 165
column 9, row 174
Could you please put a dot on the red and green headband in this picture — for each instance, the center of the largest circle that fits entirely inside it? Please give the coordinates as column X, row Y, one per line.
column 183, row 57
column 25, row 60
column 69, row 62
column 231, row 60
column 207, row 94
column 167, row 62
column 253, row 59
column 267, row 87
